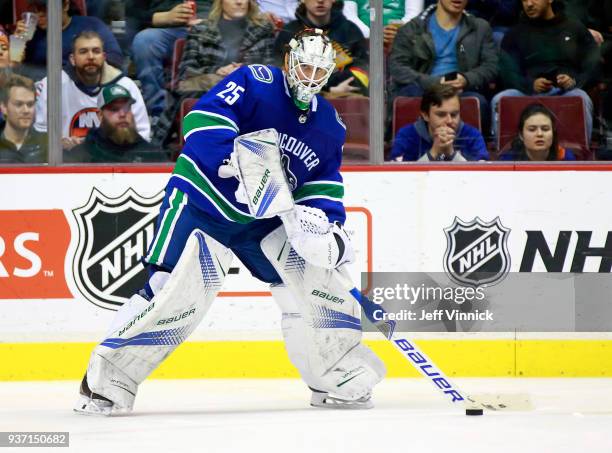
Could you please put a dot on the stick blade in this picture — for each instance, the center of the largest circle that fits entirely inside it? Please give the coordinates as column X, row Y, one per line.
column 500, row 401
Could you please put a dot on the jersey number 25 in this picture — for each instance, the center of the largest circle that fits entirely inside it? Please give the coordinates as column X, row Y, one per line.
column 231, row 93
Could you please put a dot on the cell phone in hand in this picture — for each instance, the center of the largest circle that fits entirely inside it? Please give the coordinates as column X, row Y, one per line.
column 550, row 75
column 450, row 76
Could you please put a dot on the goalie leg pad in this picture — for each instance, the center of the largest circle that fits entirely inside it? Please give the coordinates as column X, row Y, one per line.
column 146, row 332
column 294, row 333
column 329, row 351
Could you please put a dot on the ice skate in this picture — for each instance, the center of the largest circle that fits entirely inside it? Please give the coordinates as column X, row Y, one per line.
column 325, row 400
column 90, row 403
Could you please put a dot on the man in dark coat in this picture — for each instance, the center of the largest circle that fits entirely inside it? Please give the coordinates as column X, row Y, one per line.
column 116, row 140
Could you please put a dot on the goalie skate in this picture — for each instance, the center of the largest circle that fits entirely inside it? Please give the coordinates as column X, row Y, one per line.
column 90, row 403
column 325, row 400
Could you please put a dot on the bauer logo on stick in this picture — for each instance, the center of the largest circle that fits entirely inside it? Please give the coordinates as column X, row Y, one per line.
column 114, row 234
column 477, row 252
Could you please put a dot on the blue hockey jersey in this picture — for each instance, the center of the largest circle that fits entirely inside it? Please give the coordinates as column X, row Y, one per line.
column 252, row 98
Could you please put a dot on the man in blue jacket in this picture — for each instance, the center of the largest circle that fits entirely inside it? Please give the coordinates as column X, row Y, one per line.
column 439, row 134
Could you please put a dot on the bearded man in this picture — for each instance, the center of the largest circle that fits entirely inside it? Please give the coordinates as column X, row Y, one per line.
column 117, row 139
column 82, row 80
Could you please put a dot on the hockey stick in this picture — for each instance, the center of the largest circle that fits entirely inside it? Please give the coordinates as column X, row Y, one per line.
column 424, row 365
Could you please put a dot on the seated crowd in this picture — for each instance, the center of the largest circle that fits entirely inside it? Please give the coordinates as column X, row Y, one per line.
column 129, row 66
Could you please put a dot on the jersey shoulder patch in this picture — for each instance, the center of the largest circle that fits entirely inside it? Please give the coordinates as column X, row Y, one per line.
column 261, row 73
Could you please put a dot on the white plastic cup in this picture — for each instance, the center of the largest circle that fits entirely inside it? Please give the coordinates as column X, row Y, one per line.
column 31, row 21
column 17, row 48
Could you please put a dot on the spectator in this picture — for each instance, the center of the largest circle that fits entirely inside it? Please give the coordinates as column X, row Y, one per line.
column 5, row 62
column 547, row 54
column 6, row 66
column 4, row 49
column 113, row 13
column 500, row 14
column 6, row 12
column 394, row 13
column 19, row 141
column 582, row 10
column 279, row 10
column 351, row 47
column 116, row 140
column 72, row 25
column 82, row 81
column 165, row 22
column 439, row 134
column 601, row 12
column 537, row 137
column 235, row 34
column 444, row 45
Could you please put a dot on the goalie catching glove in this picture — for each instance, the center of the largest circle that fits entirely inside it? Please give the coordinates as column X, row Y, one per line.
column 316, row 240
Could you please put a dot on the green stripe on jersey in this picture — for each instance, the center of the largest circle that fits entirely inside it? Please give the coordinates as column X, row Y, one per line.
column 188, row 171
column 164, row 229
column 197, row 120
column 319, row 190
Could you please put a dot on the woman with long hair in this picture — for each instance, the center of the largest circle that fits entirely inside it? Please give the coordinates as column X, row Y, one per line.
column 537, row 138
column 235, row 34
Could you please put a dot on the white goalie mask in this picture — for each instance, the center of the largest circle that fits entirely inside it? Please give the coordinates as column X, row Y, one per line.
column 310, row 63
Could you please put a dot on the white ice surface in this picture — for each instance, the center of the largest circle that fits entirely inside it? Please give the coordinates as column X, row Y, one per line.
column 248, row 416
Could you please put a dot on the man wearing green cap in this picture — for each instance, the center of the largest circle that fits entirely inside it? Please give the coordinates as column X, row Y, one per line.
column 116, row 140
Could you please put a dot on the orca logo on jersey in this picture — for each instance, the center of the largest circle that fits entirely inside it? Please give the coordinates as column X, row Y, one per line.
column 82, row 121
column 261, row 73
column 291, row 179
column 477, row 252
column 114, row 234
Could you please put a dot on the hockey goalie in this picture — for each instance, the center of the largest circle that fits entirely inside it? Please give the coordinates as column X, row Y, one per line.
column 258, row 178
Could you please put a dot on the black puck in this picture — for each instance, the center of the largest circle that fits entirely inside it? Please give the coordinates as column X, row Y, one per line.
column 474, row 412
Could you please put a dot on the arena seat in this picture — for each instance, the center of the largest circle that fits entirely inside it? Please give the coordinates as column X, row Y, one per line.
column 355, row 114
column 186, row 107
column 407, row 110
column 569, row 113
column 177, row 55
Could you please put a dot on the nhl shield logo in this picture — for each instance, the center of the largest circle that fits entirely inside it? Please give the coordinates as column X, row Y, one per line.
column 476, row 252
column 114, row 234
